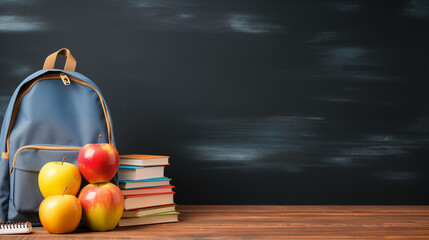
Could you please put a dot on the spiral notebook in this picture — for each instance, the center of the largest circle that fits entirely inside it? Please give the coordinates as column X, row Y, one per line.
column 15, row 228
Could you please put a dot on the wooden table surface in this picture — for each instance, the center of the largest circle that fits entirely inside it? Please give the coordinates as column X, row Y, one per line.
column 273, row 222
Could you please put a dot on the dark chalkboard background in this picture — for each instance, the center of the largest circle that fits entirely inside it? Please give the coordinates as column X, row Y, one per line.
column 257, row 102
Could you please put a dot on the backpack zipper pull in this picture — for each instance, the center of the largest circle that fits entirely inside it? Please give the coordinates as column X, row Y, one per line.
column 65, row 79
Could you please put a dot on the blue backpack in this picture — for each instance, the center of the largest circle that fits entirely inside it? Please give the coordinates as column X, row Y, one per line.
column 51, row 115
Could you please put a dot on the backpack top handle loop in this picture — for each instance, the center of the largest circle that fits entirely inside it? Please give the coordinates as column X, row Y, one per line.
column 70, row 62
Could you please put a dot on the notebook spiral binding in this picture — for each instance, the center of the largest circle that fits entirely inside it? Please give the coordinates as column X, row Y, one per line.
column 15, row 228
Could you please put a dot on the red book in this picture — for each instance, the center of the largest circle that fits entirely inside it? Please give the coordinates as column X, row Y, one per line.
column 148, row 200
column 146, row 190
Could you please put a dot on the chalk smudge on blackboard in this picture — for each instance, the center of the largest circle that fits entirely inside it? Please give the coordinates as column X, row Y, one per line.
column 345, row 6
column 202, row 16
column 346, row 61
column 417, row 8
column 248, row 23
column 19, row 70
column 353, row 63
column 399, row 176
column 7, row 3
column 15, row 23
column 264, row 141
column 295, row 144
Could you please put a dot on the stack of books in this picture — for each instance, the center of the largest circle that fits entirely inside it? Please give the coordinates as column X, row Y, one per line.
column 147, row 192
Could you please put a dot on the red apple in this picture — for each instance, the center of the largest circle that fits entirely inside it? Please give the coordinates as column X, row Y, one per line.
column 102, row 205
column 98, row 162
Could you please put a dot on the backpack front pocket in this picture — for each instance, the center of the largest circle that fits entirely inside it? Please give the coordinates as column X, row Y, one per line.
column 27, row 162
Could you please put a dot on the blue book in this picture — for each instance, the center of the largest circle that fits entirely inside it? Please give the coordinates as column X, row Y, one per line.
column 146, row 180
column 144, row 183
column 129, row 167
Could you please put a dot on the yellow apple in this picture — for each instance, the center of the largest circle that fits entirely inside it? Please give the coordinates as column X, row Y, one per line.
column 60, row 213
column 55, row 176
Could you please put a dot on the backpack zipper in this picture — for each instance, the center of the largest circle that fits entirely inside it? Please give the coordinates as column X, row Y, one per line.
column 65, row 79
column 6, row 155
column 41, row 147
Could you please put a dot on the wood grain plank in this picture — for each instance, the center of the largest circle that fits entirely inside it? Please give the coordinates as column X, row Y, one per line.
column 273, row 222
column 304, row 208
